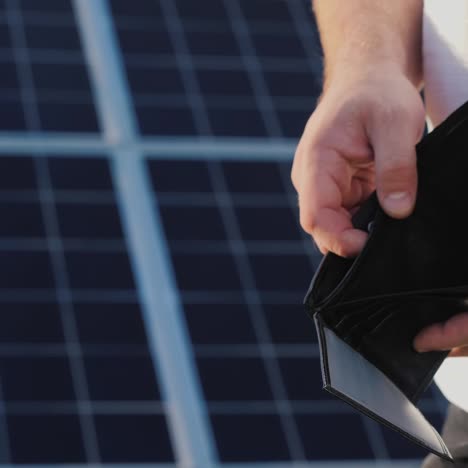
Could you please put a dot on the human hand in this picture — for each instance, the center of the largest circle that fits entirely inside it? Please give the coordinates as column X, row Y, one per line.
column 361, row 137
column 450, row 335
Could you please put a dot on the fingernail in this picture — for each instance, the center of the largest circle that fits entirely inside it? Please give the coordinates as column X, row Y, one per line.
column 397, row 203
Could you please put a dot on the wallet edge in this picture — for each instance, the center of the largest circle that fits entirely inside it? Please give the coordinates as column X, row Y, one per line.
column 327, row 386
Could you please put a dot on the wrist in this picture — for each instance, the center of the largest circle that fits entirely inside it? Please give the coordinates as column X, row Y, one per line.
column 364, row 53
column 350, row 73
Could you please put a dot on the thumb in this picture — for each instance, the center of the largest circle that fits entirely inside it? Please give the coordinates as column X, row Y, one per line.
column 393, row 141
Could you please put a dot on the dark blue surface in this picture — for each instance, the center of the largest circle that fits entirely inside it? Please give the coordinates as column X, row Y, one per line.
column 71, row 335
column 44, row 77
column 227, row 62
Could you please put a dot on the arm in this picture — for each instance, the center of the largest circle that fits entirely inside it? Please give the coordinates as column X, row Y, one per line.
column 369, row 117
column 363, row 131
column 370, row 31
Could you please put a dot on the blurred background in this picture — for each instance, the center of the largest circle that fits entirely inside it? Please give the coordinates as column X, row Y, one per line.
column 152, row 268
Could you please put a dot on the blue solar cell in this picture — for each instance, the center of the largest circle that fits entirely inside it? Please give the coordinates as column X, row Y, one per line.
column 17, row 173
column 99, row 270
column 253, row 177
column 9, row 76
column 268, row 223
column 80, row 173
column 151, row 80
column 18, row 269
column 180, row 176
column 302, row 378
column 281, row 272
column 222, row 43
column 143, row 8
column 165, row 120
column 52, row 36
column 289, row 323
column 208, row 9
column 120, row 377
column 21, row 220
column 36, row 378
column 276, row 10
column 191, row 223
column 60, row 77
column 236, row 122
column 221, row 324
column 12, row 115
column 5, row 38
column 293, row 121
column 206, row 272
column 62, row 6
column 88, row 221
column 68, row 116
column 45, row 438
column 27, row 323
column 339, row 437
column 224, row 83
column 149, row 41
column 133, row 438
column 284, row 44
column 292, row 83
column 249, row 437
column 118, row 324
column 234, row 379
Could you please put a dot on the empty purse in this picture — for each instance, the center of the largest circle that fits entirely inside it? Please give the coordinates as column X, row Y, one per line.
column 411, row 273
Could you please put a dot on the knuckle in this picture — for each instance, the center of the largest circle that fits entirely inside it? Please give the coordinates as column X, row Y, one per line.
column 307, row 222
column 396, row 172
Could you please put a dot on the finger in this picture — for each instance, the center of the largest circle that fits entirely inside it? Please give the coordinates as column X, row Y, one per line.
column 321, row 212
column 444, row 336
column 393, row 140
column 461, row 351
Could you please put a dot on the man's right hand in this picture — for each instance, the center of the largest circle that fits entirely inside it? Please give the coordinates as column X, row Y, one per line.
column 361, row 137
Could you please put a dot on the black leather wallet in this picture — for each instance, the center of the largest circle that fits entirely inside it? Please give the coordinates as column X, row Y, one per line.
column 411, row 273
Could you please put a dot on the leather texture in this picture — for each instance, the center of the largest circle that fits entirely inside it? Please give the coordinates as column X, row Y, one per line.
column 349, row 376
column 411, row 273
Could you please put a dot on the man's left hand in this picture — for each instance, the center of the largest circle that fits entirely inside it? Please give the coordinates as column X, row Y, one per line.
column 450, row 335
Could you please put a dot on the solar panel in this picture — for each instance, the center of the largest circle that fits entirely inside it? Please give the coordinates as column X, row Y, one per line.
column 78, row 351
column 242, row 264
column 223, row 68
column 77, row 378
column 44, row 84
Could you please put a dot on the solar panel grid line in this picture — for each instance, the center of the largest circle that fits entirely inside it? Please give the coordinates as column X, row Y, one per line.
column 313, row 254
column 376, row 440
column 189, row 79
column 97, row 407
column 113, row 105
column 21, row 55
column 267, row 350
column 182, row 427
column 64, row 299
column 190, row 436
column 250, row 60
column 256, row 314
column 302, row 19
column 85, row 145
